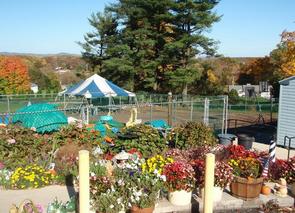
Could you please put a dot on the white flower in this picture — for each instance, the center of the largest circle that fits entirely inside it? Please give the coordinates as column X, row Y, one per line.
column 163, row 177
column 112, row 206
column 119, row 200
column 92, row 174
column 120, row 182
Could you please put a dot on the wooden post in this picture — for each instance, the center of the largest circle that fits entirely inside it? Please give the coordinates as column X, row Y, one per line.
column 170, row 108
column 84, row 190
column 209, row 183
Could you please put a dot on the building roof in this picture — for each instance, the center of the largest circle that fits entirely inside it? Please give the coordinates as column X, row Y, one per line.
column 286, row 81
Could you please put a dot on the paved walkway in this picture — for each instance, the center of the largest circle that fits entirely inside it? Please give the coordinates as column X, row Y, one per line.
column 42, row 196
column 281, row 153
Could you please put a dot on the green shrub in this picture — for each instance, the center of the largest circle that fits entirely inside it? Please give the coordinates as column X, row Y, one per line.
column 148, row 141
column 233, row 97
column 21, row 146
column 191, row 134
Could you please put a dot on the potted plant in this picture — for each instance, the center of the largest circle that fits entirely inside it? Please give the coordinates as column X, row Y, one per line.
column 143, row 192
column 180, row 182
column 107, row 192
column 154, row 166
column 284, row 169
column 222, row 177
column 247, row 180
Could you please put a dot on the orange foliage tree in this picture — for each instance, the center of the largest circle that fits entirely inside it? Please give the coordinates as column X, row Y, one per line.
column 14, row 77
column 288, row 54
column 260, row 69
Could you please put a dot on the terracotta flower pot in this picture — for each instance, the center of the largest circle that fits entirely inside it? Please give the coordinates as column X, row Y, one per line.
column 246, row 189
column 135, row 209
column 180, row 198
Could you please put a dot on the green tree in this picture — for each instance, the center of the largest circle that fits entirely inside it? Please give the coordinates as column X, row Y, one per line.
column 97, row 42
column 155, row 42
column 191, row 19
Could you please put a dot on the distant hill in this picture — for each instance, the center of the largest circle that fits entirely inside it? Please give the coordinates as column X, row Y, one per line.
column 39, row 55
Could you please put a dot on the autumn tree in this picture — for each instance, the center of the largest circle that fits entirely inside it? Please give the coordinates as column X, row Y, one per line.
column 288, row 54
column 14, row 77
column 260, row 69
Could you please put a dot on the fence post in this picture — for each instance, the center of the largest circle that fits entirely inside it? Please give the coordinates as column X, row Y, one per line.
column 192, row 108
column 84, row 190
column 64, row 100
column 226, row 114
column 209, row 183
column 87, row 114
column 170, row 108
column 8, row 104
column 206, row 111
column 223, row 116
column 271, row 106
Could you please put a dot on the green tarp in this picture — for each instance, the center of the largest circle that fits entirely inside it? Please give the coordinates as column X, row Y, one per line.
column 36, row 116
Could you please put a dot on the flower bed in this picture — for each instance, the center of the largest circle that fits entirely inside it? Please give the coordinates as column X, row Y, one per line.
column 153, row 167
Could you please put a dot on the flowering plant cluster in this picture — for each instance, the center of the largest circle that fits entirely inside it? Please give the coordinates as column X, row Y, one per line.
column 222, row 175
column 238, row 151
column 107, row 193
column 246, row 167
column 283, row 169
column 5, row 175
column 156, row 164
column 179, row 176
column 31, row 176
column 144, row 189
column 176, row 154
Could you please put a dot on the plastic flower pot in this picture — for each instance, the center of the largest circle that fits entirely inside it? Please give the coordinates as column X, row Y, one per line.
column 180, row 198
column 246, row 141
column 246, row 189
column 293, row 188
column 217, row 194
column 135, row 209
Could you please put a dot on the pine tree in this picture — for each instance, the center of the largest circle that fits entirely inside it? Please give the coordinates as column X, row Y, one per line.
column 97, row 42
column 191, row 19
column 155, row 42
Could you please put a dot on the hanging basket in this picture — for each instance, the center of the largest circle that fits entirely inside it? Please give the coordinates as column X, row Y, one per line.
column 246, row 189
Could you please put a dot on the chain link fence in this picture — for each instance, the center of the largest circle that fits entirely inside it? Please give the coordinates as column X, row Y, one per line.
column 252, row 112
column 210, row 110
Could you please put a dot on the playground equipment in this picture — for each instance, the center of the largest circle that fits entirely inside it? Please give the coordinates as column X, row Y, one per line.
column 133, row 118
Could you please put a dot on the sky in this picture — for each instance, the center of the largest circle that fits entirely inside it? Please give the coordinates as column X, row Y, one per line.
column 248, row 28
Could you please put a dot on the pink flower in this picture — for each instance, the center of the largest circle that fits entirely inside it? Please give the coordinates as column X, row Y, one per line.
column 2, row 165
column 11, row 141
